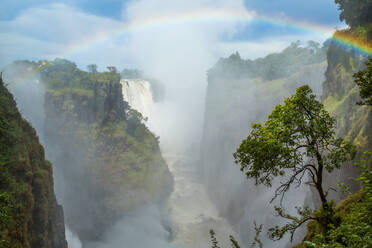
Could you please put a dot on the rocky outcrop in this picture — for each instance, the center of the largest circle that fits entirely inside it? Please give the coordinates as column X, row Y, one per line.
column 340, row 95
column 107, row 162
column 30, row 215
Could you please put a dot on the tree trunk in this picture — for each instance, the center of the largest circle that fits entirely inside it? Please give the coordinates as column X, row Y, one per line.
column 326, row 217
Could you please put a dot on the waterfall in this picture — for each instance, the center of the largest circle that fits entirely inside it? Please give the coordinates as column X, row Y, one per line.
column 137, row 92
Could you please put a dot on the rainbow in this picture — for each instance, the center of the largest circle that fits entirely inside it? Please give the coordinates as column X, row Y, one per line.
column 215, row 16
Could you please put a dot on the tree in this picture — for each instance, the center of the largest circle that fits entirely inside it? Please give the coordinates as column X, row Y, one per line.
column 234, row 243
column 92, row 68
column 356, row 215
column 363, row 79
column 112, row 69
column 355, row 12
column 297, row 140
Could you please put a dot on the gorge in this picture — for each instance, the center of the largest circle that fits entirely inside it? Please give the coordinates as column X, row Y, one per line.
column 186, row 194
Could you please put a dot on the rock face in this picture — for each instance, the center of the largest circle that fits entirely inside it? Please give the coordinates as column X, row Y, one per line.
column 107, row 162
column 340, row 94
column 33, row 217
column 238, row 96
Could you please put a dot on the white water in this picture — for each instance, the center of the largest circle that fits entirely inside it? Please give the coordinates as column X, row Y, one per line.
column 191, row 212
column 137, row 92
column 72, row 239
column 189, row 209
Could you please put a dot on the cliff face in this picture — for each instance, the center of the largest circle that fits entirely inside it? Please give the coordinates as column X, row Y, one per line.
column 236, row 99
column 354, row 122
column 340, row 95
column 107, row 162
column 30, row 215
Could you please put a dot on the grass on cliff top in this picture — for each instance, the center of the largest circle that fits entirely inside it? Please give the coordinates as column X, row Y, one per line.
column 64, row 76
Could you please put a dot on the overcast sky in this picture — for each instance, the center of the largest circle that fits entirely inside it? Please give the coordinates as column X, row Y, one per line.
column 45, row 29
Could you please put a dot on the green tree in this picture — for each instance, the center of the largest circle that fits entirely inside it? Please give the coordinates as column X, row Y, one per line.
column 92, row 68
column 363, row 79
column 298, row 139
column 234, row 244
column 355, row 12
column 112, row 69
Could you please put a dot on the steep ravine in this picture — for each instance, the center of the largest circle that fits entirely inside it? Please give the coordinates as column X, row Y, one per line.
column 189, row 212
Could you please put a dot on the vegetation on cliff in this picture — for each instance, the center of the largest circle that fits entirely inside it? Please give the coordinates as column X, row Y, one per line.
column 235, row 99
column 354, row 228
column 347, row 82
column 107, row 162
column 356, row 14
column 341, row 93
column 363, row 79
column 274, row 66
column 297, row 140
column 29, row 214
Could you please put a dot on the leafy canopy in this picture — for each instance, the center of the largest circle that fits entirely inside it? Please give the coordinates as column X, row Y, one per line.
column 355, row 12
column 296, row 141
column 295, row 131
column 363, row 79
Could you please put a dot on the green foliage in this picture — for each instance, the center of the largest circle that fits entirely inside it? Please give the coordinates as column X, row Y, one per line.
column 234, row 243
column 273, row 66
column 213, row 239
column 104, row 142
column 297, row 129
column 297, row 138
column 112, row 69
column 5, row 217
column 355, row 227
column 92, row 68
column 355, row 12
column 61, row 74
column 27, row 201
column 4, row 210
column 276, row 233
column 340, row 93
column 363, row 79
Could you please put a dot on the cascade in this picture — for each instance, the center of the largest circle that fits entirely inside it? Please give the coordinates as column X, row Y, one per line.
column 188, row 212
column 137, row 92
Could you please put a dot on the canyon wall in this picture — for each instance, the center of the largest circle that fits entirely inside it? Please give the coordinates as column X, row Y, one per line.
column 239, row 93
column 30, row 215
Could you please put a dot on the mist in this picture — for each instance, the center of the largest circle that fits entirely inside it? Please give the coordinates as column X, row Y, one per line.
column 178, row 56
column 234, row 101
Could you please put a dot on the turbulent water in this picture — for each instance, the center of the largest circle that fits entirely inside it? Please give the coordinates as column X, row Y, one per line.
column 137, row 92
column 191, row 213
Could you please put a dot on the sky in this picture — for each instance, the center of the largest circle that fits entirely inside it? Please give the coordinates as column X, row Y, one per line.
column 78, row 29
